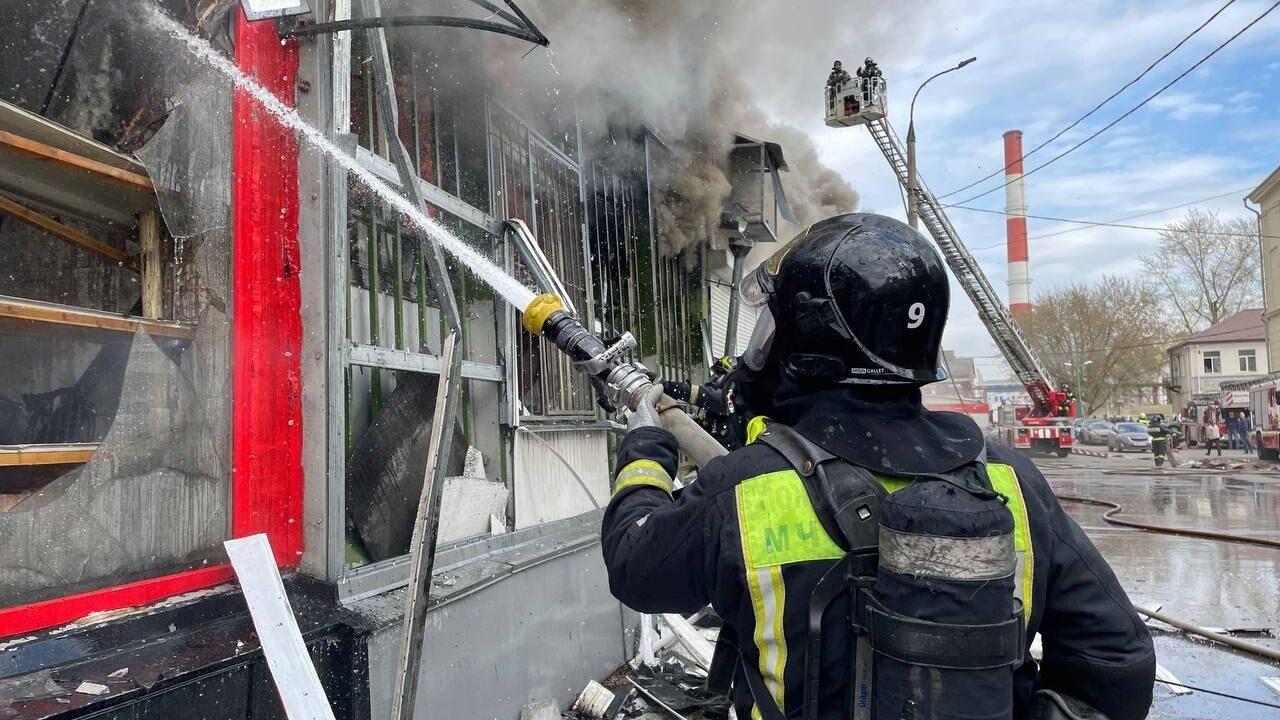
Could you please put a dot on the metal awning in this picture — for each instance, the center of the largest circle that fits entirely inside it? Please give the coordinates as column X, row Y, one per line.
column 45, row 165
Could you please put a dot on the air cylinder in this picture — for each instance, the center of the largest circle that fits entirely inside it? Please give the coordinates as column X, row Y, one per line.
column 946, row 558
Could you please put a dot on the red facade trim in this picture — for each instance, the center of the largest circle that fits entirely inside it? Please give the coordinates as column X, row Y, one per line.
column 26, row 618
column 266, row 416
column 266, row 483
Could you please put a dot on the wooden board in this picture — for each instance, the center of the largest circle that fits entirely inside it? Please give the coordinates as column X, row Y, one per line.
column 53, row 313
column 71, row 160
column 26, row 455
column 70, row 234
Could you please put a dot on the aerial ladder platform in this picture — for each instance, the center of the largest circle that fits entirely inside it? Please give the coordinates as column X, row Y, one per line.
column 862, row 101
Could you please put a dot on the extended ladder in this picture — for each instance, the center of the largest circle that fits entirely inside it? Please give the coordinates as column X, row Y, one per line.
column 1012, row 343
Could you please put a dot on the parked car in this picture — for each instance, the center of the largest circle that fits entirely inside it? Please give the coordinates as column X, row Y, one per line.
column 1077, row 429
column 1095, row 432
column 1129, row 436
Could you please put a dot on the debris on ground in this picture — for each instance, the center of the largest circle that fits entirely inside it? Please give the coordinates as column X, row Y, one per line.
column 1232, row 465
column 670, row 686
column 595, row 701
column 92, row 688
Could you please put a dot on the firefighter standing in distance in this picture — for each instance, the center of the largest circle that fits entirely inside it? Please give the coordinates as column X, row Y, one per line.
column 856, row 309
column 838, row 77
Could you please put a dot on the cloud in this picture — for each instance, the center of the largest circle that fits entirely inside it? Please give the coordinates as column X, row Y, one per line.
column 1184, row 106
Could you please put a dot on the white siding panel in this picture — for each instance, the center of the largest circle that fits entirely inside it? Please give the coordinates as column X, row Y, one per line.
column 545, row 488
column 720, row 295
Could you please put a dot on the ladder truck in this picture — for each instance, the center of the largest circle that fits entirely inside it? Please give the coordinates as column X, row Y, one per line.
column 1044, row 426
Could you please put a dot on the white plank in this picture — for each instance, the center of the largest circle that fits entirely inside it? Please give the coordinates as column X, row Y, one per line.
column 699, row 649
column 295, row 677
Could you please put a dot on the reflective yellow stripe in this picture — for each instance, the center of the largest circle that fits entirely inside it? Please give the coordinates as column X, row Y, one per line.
column 755, row 426
column 768, row 602
column 776, row 681
column 642, row 472
column 1005, row 482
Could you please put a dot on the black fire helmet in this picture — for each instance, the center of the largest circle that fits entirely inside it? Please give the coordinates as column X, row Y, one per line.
column 854, row 299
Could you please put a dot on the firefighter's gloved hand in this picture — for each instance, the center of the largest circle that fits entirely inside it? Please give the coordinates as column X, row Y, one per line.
column 646, row 415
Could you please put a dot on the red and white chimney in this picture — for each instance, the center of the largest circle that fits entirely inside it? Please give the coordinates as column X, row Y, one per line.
column 1015, row 207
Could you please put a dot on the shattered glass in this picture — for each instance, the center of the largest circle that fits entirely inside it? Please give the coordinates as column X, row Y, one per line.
column 153, row 405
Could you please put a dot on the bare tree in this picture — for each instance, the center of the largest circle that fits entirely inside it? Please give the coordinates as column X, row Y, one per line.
column 1208, row 268
column 1109, row 336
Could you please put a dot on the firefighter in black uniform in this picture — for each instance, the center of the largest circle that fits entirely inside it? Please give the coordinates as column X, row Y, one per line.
column 856, row 309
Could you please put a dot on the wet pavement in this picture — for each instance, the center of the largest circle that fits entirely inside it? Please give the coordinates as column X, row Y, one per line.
column 1205, row 582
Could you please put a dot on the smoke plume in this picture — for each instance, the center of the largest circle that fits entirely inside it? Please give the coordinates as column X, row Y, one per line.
column 685, row 70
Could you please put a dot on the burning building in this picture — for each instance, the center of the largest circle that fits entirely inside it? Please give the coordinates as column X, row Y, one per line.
column 216, row 331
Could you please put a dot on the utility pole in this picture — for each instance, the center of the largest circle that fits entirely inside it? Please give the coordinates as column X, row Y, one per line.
column 1077, row 369
column 913, row 181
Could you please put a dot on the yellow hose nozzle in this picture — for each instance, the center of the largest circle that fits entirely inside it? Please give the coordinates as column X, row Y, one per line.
column 538, row 310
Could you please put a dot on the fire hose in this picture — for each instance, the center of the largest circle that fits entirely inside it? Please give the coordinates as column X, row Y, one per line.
column 1187, row 627
column 1116, row 509
column 623, row 382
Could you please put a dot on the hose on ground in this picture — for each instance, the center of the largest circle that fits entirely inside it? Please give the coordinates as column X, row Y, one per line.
column 1116, row 509
column 1237, row 643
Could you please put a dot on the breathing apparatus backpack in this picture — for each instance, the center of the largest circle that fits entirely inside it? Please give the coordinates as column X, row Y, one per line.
column 929, row 575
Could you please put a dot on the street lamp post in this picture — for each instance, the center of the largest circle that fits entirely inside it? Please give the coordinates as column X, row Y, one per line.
column 1078, row 370
column 913, row 183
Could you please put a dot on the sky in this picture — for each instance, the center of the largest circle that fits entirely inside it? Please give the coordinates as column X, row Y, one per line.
column 1040, row 66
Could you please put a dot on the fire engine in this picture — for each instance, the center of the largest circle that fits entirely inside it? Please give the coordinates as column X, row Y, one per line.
column 1043, row 426
column 1264, row 408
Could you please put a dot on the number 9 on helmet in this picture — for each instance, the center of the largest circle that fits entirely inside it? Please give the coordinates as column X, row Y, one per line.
column 854, row 299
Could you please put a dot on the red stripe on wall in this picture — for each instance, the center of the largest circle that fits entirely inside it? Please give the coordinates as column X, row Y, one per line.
column 266, row 391
column 26, row 618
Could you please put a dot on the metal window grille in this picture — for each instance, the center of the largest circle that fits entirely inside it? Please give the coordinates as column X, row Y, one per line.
column 615, row 247
column 532, row 180
column 678, row 288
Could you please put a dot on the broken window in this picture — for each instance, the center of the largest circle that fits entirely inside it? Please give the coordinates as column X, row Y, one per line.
column 621, row 258
column 114, row 312
column 393, row 321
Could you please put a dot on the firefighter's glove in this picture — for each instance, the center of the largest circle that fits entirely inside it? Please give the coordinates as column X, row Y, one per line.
column 646, row 415
column 602, row 395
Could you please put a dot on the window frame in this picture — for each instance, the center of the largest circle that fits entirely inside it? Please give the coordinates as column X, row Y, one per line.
column 521, row 348
column 1211, row 362
column 1247, row 354
column 356, row 582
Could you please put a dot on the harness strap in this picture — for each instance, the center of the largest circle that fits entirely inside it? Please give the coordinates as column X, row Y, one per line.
column 957, row 647
column 845, row 497
column 830, row 586
column 760, row 694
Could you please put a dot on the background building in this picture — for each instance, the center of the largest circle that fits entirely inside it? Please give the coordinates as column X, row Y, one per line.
column 1230, row 351
column 1267, row 197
